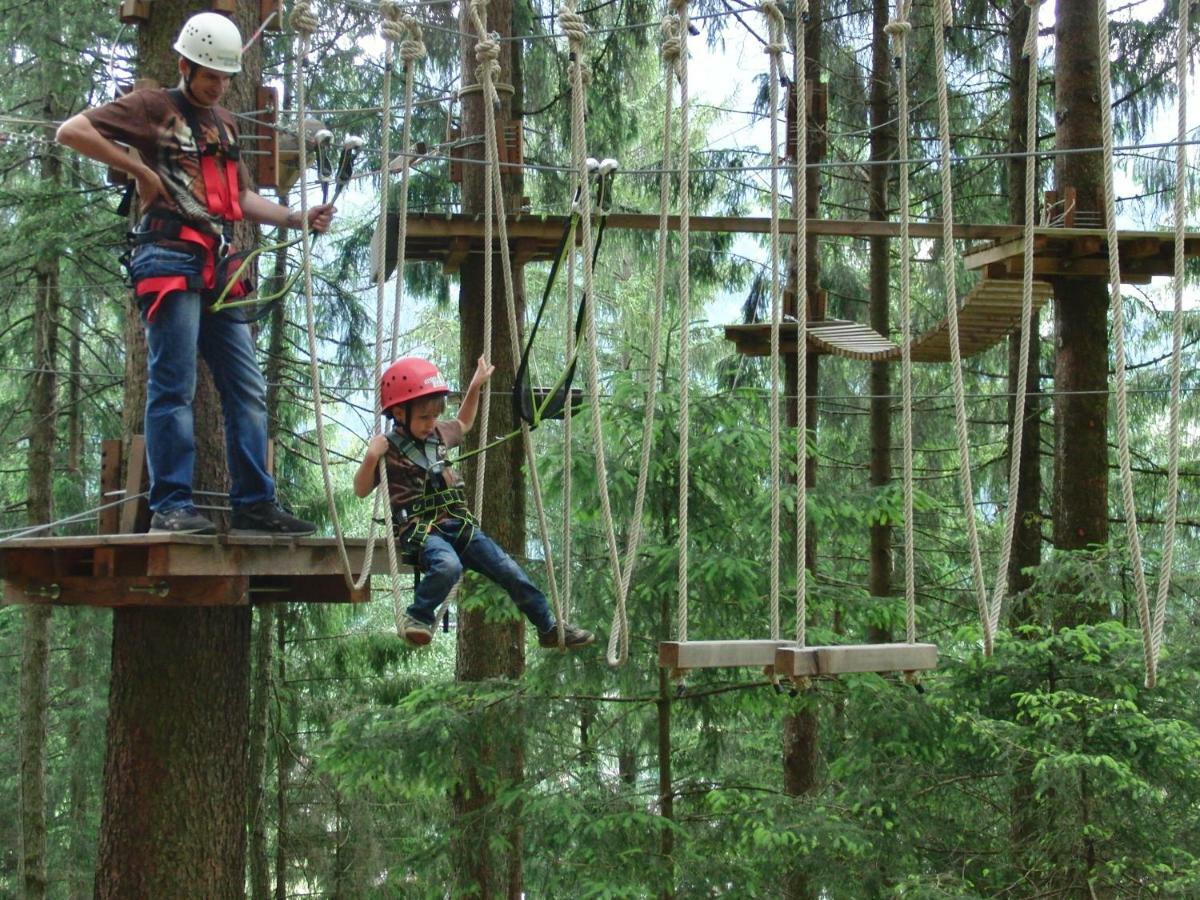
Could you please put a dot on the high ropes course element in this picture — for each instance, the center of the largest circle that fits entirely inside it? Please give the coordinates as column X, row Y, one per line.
column 119, row 567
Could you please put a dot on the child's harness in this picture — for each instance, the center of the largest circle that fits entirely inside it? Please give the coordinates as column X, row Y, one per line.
column 215, row 252
column 414, row 522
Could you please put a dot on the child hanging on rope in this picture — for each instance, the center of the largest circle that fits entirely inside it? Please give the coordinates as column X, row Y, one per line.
column 429, row 507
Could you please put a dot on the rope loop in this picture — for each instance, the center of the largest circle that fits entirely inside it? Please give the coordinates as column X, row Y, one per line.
column 573, row 27
column 1030, row 48
column 772, row 11
column 412, row 47
column 672, row 46
column 303, row 21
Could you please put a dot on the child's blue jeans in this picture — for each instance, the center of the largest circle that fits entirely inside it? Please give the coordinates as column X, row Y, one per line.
column 442, row 565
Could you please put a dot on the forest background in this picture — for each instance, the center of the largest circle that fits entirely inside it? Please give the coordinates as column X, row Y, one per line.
column 1046, row 770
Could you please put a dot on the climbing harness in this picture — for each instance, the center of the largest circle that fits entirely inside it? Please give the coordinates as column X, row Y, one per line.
column 413, row 522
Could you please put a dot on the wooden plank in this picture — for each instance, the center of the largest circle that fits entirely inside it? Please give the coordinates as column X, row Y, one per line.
column 306, row 589
column 135, row 514
column 846, row 659
column 75, row 590
column 110, row 485
column 684, row 655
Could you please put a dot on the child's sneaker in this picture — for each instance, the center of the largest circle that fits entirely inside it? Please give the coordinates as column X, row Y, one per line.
column 574, row 637
column 415, row 631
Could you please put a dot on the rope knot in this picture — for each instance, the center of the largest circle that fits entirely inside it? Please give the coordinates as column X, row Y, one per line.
column 672, row 46
column 413, row 45
column 573, row 26
column 302, row 20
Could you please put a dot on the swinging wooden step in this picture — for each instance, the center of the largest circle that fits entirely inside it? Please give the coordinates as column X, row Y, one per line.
column 846, row 659
column 685, row 655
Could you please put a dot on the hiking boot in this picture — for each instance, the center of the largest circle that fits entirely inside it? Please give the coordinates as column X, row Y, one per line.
column 268, row 517
column 181, row 520
column 574, row 637
column 414, row 631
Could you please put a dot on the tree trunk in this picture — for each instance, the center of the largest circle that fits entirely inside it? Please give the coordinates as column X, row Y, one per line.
column 666, row 783
column 801, row 750
column 1027, row 540
column 282, row 763
column 35, row 638
column 1080, row 304
column 175, row 778
column 490, row 651
column 256, row 801
column 882, row 144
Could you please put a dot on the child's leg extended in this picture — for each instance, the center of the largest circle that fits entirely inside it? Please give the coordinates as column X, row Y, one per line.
column 486, row 557
column 440, row 571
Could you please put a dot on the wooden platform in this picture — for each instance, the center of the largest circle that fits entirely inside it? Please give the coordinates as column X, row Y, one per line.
column 988, row 313
column 449, row 238
column 1082, row 252
column 787, row 659
column 180, row 570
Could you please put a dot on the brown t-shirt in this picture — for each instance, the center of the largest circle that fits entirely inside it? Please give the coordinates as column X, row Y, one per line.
column 150, row 121
column 406, row 479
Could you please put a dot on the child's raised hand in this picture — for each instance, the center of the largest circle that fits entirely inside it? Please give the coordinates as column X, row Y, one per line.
column 378, row 446
column 483, row 371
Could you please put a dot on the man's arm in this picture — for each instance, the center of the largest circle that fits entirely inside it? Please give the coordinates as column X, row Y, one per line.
column 261, row 210
column 81, row 135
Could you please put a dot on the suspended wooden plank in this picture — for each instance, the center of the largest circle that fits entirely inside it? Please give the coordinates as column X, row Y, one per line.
column 685, row 655
column 845, row 659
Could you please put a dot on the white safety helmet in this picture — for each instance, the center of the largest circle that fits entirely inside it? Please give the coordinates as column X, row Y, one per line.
column 209, row 39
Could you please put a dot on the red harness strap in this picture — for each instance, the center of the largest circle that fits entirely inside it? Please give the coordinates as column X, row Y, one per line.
column 162, row 285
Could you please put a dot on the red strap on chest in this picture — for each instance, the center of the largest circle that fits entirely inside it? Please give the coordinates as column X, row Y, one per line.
column 221, row 197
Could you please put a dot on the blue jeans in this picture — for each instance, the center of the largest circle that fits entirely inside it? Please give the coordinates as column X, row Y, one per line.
column 181, row 327
column 442, row 565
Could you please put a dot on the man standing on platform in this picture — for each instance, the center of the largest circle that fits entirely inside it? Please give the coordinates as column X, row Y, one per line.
column 192, row 188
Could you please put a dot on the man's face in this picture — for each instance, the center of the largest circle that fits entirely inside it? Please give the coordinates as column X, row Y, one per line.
column 207, row 86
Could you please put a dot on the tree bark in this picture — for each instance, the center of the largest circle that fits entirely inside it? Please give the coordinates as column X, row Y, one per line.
column 282, row 764
column 175, row 777
column 256, row 800
column 882, row 143
column 800, row 737
column 35, row 638
column 485, row 650
column 1080, row 304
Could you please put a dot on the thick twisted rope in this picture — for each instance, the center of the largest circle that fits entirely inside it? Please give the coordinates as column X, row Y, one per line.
column 948, row 276
column 685, row 312
column 1168, row 551
column 575, row 29
column 1118, row 330
column 899, row 28
column 1017, row 435
column 774, row 50
column 800, row 248
column 304, row 23
column 396, row 28
column 487, row 53
column 487, row 69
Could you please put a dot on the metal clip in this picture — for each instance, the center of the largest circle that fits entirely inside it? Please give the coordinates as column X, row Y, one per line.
column 159, row 589
column 48, row 592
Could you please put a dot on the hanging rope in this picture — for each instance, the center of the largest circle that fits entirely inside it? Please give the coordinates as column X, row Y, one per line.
column 1168, row 551
column 1118, row 330
column 618, row 638
column 900, row 28
column 305, row 24
column 943, row 21
column 396, row 28
column 774, row 50
column 685, row 312
column 487, row 53
column 576, row 31
column 800, row 248
column 992, row 620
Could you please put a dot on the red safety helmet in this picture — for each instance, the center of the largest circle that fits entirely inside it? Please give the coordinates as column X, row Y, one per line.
column 410, row 379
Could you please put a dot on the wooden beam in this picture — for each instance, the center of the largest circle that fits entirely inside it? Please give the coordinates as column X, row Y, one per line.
column 110, row 485
column 846, row 659
column 684, row 655
column 76, row 590
column 135, row 513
